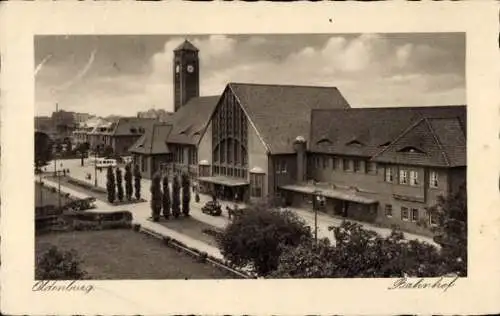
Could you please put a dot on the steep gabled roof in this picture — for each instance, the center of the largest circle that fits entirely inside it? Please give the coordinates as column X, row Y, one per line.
column 153, row 141
column 191, row 119
column 280, row 113
column 127, row 126
column 373, row 128
column 186, row 45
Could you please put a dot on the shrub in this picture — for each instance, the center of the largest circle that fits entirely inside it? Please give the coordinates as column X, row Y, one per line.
column 55, row 264
column 137, row 182
column 259, row 235
column 136, row 227
column 110, row 185
column 176, row 190
column 119, row 184
column 186, row 194
column 360, row 253
column 166, row 198
column 128, row 182
column 156, row 197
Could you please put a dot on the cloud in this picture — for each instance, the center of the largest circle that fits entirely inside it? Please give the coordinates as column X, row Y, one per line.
column 369, row 69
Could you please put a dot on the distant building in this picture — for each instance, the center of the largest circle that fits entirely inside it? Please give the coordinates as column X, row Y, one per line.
column 81, row 117
column 158, row 114
column 121, row 135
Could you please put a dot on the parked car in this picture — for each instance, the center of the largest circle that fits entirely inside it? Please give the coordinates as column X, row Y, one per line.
column 212, row 208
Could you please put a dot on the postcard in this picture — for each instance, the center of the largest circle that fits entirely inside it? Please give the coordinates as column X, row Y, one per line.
column 235, row 158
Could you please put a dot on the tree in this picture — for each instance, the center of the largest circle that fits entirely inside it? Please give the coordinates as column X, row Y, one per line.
column 360, row 253
column 119, row 184
column 186, row 194
column 110, row 185
column 156, row 197
column 128, row 182
column 43, row 149
column 259, row 236
column 176, row 199
column 166, row 198
column 55, row 264
column 451, row 231
column 137, row 182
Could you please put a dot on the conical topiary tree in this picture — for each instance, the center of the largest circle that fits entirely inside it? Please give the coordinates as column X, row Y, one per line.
column 156, row 197
column 128, row 182
column 166, row 197
column 137, row 182
column 110, row 185
column 186, row 194
column 119, row 184
column 176, row 197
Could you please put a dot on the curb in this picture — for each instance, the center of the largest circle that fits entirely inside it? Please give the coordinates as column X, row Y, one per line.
column 201, row 256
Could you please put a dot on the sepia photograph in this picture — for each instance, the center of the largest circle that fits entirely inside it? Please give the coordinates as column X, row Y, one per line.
column 250, row 156
column 227, row 158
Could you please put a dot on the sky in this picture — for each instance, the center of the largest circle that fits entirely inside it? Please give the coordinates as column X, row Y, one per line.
column 121, row 74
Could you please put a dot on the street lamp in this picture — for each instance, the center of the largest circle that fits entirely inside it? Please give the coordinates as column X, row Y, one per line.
column 95, row 165
column 318, row 201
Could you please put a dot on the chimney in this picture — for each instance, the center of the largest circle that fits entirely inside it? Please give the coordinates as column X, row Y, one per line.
column 300, row 147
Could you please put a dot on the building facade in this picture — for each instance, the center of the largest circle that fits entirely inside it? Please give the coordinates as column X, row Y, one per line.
column 289, row 143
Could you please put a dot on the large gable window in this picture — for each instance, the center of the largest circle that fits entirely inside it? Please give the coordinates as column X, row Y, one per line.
column 229, row 139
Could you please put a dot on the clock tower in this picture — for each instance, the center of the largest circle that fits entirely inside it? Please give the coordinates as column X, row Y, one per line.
column 186, row 74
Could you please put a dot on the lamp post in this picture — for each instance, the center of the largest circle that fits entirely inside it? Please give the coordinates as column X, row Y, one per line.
column 95, row 166
column 318, row 201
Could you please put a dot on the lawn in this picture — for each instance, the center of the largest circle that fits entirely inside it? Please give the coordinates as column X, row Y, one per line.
column 124, row 254
column 44, row 196
column 190, row 227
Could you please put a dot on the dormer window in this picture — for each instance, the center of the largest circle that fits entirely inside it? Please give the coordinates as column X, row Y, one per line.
column 411, row 149
column 354, row 142
column 385, row 144
column 323, row 140
column 133, row 130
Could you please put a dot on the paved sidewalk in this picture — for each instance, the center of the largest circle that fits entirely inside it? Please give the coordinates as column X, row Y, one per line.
column 141, row 217
column 324, row 221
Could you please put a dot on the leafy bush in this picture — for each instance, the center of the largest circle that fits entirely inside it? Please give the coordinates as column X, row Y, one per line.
column 128, row 182
column 259, row 236
column 110, row 185
column 451, row 230
column 176, row 191
column 360, row 253
column 119, row 184
column 166, row 198
column 156, row 197
column 137, row 182
column 55, row 264
column 186, row 194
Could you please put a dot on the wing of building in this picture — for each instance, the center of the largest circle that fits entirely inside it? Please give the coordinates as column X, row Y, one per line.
column 255, row 141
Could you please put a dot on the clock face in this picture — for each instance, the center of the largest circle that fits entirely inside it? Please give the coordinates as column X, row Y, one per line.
column 190, row 68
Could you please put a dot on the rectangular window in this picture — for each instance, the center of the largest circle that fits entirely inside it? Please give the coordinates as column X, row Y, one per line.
column 388, row 174
column 325, row 162
column 348, row 164
column 414, row 215
column 256, row 184
column 404, row 213
column 371, row 167
column 283, row 167
column 413, row 177
column 432, row 219
column 403, row 176
column 433, row 179
column 357, row 165
column 338, row 163
column 388, row 210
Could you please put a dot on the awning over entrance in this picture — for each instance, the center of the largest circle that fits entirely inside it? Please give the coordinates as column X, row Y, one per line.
column 223, row 180
column 330, row 193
